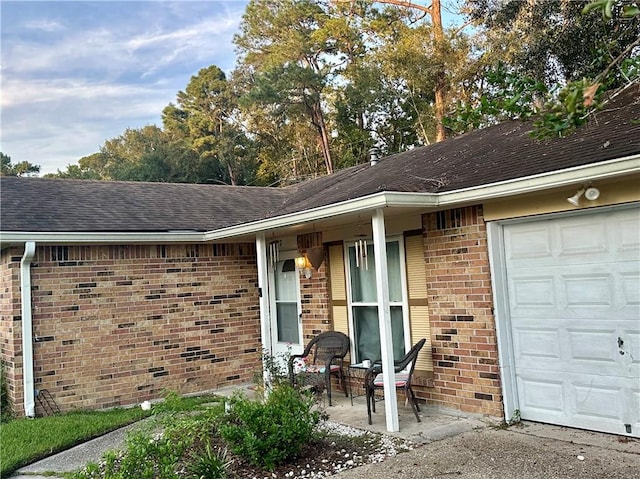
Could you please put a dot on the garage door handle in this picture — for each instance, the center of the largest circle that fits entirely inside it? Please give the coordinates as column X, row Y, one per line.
column 620, row 345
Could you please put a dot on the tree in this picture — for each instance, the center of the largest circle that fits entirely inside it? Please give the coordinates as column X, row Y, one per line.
column 557, row 59
column 205, row 120
column 23, row 168
column 284, row 49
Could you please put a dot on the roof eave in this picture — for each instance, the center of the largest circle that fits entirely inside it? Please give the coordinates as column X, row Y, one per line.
column 569, row 176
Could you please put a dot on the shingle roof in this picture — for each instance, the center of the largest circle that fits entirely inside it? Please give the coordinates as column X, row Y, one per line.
column 41, row 204
column 498, row 153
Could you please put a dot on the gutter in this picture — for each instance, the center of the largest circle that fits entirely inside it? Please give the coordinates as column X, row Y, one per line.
column 529, row 184
column 27, row 329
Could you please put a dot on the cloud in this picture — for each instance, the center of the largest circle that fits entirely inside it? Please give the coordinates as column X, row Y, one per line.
column 70, row 84
column 45, row 25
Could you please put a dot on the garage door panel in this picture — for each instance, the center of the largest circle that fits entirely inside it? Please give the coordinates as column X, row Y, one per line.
column 582, row 238
column 588, row 398
column 587, row 289
column 628, row 227
column 541, row 395
column 529, row 241
column 538, row 292
column 536, row 343
column 630, row 287
column 598, row 348
column 573, row 287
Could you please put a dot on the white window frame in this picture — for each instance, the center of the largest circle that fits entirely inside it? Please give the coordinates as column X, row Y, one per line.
column 406, row 324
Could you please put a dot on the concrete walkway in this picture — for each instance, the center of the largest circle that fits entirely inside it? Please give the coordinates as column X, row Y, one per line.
column 453, row 445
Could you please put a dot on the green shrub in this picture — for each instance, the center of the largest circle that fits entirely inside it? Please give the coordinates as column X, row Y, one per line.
column 172, row 441
column 208, row 464
column 273, row 431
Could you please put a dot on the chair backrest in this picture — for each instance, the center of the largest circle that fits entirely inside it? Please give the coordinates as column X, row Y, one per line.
column 410, row 357
column 326, row 345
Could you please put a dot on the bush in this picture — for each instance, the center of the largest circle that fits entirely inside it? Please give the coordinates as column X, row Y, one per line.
column 176, row 440
column 271, row 432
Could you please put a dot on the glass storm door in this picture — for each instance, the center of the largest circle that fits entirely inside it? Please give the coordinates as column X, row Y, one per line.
column 286, row 317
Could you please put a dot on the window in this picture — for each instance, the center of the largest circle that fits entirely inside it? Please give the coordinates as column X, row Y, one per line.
column 363, row 302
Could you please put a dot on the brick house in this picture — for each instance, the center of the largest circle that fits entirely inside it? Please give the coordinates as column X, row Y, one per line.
column 113, row 292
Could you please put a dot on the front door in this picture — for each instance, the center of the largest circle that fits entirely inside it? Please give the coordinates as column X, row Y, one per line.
column 286, row 312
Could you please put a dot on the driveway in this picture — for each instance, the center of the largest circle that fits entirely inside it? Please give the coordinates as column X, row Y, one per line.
column 517, row 452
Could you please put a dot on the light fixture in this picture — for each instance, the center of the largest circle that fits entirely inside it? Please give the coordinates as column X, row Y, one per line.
column 575, row 199
column 591, row 193
column 304, row 265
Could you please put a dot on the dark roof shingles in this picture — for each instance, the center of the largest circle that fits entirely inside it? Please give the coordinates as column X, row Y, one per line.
column 498, row 153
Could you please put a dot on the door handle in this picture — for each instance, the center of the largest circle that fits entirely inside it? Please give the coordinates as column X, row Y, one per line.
column 620, row 345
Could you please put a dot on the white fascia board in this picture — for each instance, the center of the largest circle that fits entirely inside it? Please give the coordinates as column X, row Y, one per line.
column 571, row 176
column 530, row 184
column 11, row 237
column 366, row 203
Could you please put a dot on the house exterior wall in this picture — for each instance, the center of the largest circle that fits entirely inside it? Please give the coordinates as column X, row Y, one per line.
column 464, row 346
column 314, row 296
column 116, row 325
column 612, row 192
column 10, row 326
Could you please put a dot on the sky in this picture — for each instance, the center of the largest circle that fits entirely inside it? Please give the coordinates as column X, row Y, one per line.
column 74, row 74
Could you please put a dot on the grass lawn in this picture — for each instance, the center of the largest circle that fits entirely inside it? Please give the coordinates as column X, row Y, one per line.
column 23, row 441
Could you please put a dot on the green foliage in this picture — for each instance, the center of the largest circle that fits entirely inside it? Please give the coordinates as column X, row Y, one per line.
column 5, row 402
column 26, row 440
column 145, row 458
column 568, row 111
column 23, row 168
column 507, row 94
column 271, row 432
column 208, row 464
column 177, row 438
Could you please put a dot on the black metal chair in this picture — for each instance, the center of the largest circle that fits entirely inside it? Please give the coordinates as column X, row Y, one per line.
column 324, row 355
column 403, row 370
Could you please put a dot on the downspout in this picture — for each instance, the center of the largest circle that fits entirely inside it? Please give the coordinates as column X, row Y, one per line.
column 27, row 329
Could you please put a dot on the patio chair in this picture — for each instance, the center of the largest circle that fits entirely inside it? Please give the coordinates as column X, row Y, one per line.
column 323, row 355
column 403, row 369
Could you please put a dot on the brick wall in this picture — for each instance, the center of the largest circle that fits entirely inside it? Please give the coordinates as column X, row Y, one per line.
column 314, row 296
column 115, row 325
column 465, row 355
column 10, row 325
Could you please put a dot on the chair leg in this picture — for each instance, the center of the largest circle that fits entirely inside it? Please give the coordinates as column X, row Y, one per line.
column 368, row 395
column 343, row 383
column 328, row 381
column 373, row 399
column 411, row 397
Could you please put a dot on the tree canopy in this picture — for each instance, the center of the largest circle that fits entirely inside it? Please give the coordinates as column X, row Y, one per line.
column 22, row 168
column 318, row 83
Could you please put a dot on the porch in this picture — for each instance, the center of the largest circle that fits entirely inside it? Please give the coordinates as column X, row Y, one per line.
column 436, row 422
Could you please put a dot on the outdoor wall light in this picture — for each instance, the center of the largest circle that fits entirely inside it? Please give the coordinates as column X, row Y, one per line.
column 303, row 264
column 590, row 192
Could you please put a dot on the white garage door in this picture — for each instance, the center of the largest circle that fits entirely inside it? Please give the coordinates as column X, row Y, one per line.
column 574, row 301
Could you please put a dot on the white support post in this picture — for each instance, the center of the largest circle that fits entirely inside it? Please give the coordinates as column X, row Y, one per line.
column 263, row 290
column 384, row 318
